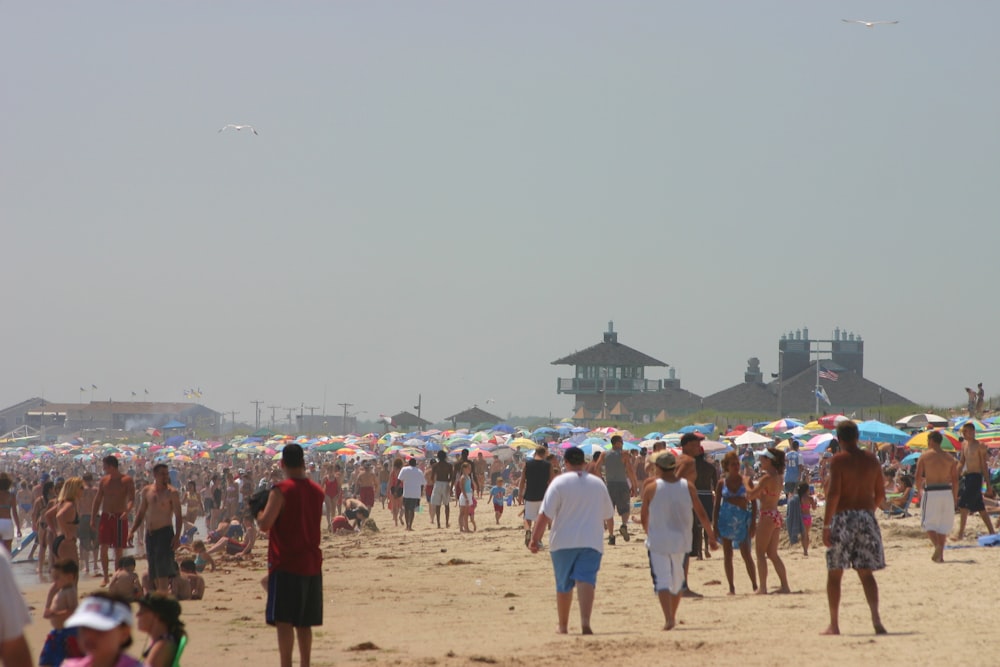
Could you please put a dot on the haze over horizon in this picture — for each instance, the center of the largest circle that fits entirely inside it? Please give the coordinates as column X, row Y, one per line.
column 444, row 197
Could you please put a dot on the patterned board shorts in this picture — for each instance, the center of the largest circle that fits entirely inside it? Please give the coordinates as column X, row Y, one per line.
column 855, row 542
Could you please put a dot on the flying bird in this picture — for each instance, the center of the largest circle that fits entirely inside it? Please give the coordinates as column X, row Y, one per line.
column 867, row 24
column 238, row 128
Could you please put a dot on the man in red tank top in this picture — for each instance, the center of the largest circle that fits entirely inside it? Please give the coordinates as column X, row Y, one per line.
column 293, row 518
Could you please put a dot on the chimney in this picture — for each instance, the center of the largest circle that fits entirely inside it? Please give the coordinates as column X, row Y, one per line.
column 611, row 336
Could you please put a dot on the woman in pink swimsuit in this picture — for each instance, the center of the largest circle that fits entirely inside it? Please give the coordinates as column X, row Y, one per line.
column 768, row 491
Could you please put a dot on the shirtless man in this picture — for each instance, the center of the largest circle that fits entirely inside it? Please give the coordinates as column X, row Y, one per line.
column 687, row 469
column 850, row 530
column 112, row 505
column 367, row 482
column 479, row 472
column 442, row 477
column 937, row 481
column 973, row 466
column 160, row 503
column 88, row 537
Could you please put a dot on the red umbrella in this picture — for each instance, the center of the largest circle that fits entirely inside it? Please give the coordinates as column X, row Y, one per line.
column 830, row 421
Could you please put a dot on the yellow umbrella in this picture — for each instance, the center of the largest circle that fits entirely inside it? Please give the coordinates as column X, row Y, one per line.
column 950, row 443
column 813, row 426
column 522, row 443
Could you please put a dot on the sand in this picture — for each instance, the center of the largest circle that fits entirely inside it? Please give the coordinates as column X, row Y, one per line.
column 438, row 597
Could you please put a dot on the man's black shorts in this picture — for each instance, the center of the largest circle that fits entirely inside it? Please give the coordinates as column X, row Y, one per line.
column 411, row 503
column 294, row 598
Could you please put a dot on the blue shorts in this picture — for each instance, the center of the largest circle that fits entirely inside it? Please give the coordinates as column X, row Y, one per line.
column 575, row 565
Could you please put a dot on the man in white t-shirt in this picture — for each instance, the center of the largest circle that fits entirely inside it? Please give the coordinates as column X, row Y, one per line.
column 578, row 507
column 14, row 616
column 412, row 479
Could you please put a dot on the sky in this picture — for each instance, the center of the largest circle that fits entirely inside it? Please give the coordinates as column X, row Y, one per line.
column 444, row 197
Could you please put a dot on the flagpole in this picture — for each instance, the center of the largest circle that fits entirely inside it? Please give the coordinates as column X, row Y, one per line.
column 816, row 391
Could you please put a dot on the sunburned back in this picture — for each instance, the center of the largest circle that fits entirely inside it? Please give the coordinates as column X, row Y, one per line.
column 860, row 478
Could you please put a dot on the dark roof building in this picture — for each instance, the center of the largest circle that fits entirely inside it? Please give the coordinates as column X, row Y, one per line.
column 473, row 415
column 607, row 373
column 117, row 415
column 407, row 420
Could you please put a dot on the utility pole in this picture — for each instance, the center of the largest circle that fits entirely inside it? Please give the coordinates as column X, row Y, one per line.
column 418, row 405
column 312, row 411
column 343, row 424
column 256, row 405
column 232, row 421
column 272, row 408
column 289, row 411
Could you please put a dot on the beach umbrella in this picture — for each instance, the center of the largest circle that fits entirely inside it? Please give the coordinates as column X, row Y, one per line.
column 751, row 438
column 415, row 442
column 921, row 420
column 910, row 459
column 715, row 447
column 821, row 442
column 950, row 442
column 781, row 425
column 989, row 438
column 544, row 430
column 702, row 428
column 654, row 435
column 875, row 431
column 976, row 424
column 831, row 421
column 522, row 443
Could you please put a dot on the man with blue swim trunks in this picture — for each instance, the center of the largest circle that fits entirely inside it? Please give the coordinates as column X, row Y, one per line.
column 579, row 509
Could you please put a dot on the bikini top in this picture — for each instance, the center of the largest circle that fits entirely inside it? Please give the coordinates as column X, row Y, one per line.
column 738, row 493
column 167, row 635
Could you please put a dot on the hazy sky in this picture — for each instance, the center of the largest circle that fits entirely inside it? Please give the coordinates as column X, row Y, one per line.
column 447, row 196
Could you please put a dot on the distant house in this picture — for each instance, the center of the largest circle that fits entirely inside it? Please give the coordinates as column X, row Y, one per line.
column 473, row 416
column 407, row 421
column 606, row 374
column 52, row 418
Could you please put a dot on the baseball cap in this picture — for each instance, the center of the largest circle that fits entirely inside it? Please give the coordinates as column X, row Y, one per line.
column 100, row 614
column 665, row 460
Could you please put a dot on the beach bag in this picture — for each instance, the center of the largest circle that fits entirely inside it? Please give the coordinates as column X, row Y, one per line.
column 397, row 491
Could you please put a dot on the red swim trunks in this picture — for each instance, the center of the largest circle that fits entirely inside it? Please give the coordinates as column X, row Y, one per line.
column 113, row 530
column 366, row 494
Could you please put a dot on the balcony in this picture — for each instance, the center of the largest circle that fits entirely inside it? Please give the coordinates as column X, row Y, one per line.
column 609, row 385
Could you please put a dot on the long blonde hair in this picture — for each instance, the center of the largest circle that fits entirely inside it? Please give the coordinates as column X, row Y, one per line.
column 71, row 490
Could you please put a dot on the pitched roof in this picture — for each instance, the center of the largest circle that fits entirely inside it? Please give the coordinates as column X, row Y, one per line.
column 473, row 415
column 672, row 399
column 608, row 353
column 405, row 418
column 849, row 391
column 125, row 408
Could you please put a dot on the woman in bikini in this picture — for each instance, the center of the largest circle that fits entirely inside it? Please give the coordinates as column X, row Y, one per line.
column 9, row 520
column 735, row 520
column 768, row 491
column 159, row 616
column 193, row 501
column 396, row 492
column 67, row 521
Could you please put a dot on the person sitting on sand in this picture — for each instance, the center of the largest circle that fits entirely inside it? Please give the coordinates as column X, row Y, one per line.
column 125, row 582
column 201, row 556
column 234, row 547
column 195, row 582
column 356, row 511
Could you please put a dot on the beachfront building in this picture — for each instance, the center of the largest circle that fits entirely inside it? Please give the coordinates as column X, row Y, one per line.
column 407, row 421
column 608, row 375
column 60, row 418
column 475, row 417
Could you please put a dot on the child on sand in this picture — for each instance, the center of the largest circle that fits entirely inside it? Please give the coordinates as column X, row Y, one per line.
column 806, row 505
column 125, row 582
column 61, row 642
column 196, row 582
column 667, row 504
column 201, row 556
column 497, row 494
column 104, row 625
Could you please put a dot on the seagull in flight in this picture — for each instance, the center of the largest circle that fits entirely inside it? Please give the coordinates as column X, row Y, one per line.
column 238, row 128
column 869, row 24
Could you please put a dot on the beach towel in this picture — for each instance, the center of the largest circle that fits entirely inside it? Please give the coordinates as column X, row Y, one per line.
column 793, row 520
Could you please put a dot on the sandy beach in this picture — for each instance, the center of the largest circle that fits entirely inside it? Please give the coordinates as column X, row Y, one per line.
column 439, row 597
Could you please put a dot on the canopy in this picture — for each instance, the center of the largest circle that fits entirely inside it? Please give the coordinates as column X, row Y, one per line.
column 875, row 431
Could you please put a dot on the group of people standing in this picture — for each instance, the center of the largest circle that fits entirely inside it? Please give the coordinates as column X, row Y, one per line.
column 685, row 503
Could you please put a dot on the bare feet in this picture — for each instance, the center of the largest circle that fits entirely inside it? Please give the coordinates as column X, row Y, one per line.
column 831, row 630
column 561, row 630
column 784, row 590
column 761, row 591
column 669, row 626
column 586, row 630
column 880, row 629
column 731, row 592
column 688, row 593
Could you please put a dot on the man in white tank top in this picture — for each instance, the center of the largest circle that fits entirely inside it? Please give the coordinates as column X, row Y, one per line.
column 667, row 519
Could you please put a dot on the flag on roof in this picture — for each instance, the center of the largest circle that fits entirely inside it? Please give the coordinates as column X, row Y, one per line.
column 828, row 375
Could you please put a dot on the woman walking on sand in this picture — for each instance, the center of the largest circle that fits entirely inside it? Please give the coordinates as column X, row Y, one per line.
column 735, row 520
column 768, row 491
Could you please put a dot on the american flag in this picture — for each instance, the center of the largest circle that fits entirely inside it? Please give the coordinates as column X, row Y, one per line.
column 828, row 375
